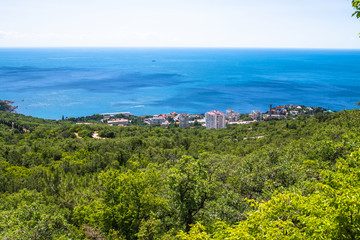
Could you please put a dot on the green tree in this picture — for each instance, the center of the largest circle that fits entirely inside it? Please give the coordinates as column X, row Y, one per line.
column 331, row 211
column 26, row 215
column 129, row 199
column 356, row 6
column 191, row 187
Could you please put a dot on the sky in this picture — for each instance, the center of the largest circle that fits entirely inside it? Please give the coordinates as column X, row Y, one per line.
column 179, row 23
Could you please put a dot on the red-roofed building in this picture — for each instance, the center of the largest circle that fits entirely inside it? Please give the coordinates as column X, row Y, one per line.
column 215, row 113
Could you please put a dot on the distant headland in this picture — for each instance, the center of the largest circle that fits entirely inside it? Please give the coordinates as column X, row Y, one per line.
column 5, row 105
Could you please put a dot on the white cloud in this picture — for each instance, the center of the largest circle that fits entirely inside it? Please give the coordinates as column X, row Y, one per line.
column 183, row 23
column 12, row 35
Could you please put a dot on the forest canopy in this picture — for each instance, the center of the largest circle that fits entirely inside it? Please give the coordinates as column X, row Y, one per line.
column 300, row 181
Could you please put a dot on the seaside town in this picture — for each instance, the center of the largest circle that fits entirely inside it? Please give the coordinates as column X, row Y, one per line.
column 211, row 120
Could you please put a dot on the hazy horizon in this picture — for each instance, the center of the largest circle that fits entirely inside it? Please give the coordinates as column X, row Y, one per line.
column 179, row 47
column 308, row 24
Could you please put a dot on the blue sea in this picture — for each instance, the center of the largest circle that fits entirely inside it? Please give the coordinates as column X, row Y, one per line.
column 55, row 82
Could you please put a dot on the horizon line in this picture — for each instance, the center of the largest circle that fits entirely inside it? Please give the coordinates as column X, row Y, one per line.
column 174, row 47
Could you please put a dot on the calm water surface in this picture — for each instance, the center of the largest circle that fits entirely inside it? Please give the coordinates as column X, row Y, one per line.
column 51, row 82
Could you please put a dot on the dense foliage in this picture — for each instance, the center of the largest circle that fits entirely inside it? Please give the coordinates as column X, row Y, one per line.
column 288, row 179
column 356, row 6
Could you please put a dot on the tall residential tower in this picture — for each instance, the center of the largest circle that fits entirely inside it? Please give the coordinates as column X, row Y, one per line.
column 184, row 120
column 215, row 119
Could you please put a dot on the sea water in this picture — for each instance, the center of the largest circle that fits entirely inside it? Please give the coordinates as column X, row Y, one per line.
column 72, row 82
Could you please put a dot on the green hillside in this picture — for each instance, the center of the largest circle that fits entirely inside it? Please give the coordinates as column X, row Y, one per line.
column 299, row 181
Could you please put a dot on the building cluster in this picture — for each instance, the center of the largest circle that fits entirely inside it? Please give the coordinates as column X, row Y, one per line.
column 213, row 119
column 256, row 115
column 157, row 120
column 118, row 122
column 232, row 116
column 291, row 111
column 113, row 121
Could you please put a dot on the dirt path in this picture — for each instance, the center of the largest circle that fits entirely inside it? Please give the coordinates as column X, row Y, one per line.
column 96, row 135
column 77, row 135
column 255, row 137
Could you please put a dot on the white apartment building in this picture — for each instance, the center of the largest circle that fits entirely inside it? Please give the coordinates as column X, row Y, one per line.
column 215, row 119
column 257, row 115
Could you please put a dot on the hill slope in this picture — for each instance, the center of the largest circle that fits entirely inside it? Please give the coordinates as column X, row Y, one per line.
column 299, row 181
